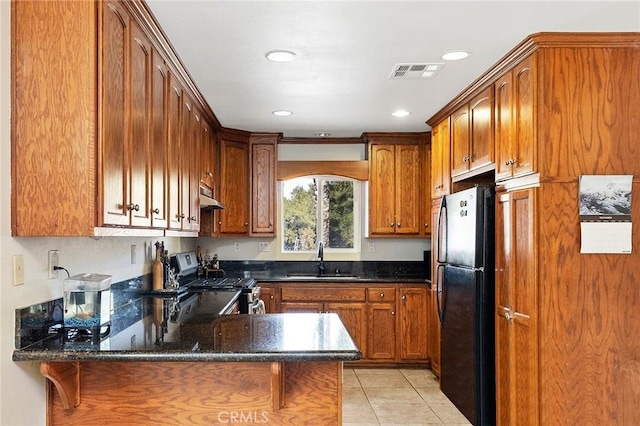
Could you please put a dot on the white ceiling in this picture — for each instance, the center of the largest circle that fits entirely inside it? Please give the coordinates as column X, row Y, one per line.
column 346, row 50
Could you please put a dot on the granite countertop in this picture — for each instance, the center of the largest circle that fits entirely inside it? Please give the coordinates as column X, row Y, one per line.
column 268, row 276
column 206, row 335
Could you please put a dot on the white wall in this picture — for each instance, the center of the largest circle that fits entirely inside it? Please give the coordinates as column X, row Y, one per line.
column 384, row 248
column 22, row 391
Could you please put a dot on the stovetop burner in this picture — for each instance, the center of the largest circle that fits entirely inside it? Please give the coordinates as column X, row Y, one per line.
column 221, row 283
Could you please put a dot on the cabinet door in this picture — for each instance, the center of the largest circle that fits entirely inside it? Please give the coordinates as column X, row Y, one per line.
column 263, row 188
column 208, row 168
column 269, row 295
column 516, row 307
column 194, row 170
column 115, row 115
column 381, row 331
column 433, row 344
column 481, row 143
column 353, row 316
column 138, row 148
column 440, row 160
column 159, row 144
column 425, row 193
column 504, row 125
column 524, row 105
column 407, row 204
column 186, row 122
column 174, row 106
column 460, row 155
column 235, row 187
column 382, row 187
column 413, row 310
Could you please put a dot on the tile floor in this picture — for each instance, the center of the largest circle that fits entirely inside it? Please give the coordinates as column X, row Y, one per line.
column 400, row 397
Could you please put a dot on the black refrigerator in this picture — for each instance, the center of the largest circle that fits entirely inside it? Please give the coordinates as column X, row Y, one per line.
column 465, row 285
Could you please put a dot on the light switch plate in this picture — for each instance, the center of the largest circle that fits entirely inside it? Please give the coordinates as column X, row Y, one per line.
column 262, row 246
column 18, row 269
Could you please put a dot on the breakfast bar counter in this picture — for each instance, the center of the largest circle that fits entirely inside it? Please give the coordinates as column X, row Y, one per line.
column 272, row 368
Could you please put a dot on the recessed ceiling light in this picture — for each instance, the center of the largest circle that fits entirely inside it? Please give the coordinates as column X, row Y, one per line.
column 280, row 55
column 455, row 55
column 401, row 113
column 323, row 134
column 282, row 113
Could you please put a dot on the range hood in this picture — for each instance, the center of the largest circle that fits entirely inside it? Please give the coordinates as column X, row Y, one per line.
column 207, row 200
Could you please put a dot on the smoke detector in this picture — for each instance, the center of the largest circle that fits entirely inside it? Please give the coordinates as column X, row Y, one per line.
column 416, row 70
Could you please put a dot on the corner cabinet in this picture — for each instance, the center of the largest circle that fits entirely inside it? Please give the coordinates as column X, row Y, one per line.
column 102, row 167
column 264, row 157
column 395, row 176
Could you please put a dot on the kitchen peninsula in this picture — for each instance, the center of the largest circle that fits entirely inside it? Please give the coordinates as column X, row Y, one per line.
column 274, row 369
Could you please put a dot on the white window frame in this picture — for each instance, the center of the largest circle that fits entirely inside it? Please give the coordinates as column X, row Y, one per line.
column 357, row 216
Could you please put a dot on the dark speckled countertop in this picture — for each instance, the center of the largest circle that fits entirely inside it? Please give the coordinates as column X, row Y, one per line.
column 205, row 335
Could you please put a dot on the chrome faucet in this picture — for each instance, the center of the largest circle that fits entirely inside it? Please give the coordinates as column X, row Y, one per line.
column 321, row 258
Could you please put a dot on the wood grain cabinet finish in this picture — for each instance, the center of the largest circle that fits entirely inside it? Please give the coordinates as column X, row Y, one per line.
column 425, row 195
column 516, row 307
column 102, row 168
column 210, row 179
column 472, row 142
column 395, row 171
column 174, row 177
column 413, row 308
column 270, row 295
column 440, row 159
column 566, row 106
column 263, row 183
column 234, row 169
column 515, row 116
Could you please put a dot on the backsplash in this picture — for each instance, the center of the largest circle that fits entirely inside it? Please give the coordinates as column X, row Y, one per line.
column 42, row 320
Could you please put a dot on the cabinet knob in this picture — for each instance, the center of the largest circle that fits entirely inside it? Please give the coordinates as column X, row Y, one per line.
column 220, row 223
column 132, row 206
column 246, row 224
column 393, row 312
column 508, row 316
column 182, row 216
column 426, row 225
column 392, row 224
column 404, row 297
column 270, row 223
column 156, row 211
column 381, row 295
column 399, row 225
column 271, row 297
column 192, row 218
column 508, row 162
column 513, row 161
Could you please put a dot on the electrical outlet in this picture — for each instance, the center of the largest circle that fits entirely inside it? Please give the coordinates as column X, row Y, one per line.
column 236, row 246
column 372, row 247
column 54, row 260
column 263, row 246
column 18, row 269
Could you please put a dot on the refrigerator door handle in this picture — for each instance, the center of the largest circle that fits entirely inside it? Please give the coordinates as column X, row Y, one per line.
column 438, row 291
column 443, row 209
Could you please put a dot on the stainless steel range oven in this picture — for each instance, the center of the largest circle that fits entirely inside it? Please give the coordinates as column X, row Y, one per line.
column 186, row 271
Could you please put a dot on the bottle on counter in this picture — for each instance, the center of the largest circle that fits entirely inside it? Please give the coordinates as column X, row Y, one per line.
column 157, row 269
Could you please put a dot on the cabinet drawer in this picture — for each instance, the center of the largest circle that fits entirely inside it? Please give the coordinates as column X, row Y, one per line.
column 323, row 294
column 381, row 294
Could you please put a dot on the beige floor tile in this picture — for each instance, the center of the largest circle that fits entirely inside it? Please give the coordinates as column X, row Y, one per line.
column 405, row 414
column 360, row 424
column 432, row 395
column 393, row 395
column 348, row 372
column 353, row 396
column 448, row 413
column 421, row 378
column 358, row 413
column 385, row 371
column 383, row 381
column 350, row 381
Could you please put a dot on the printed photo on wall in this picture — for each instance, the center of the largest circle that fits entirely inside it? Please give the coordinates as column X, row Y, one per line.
column 605, row 213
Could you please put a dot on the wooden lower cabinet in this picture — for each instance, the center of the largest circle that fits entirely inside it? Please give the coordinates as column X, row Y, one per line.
column 388, row 322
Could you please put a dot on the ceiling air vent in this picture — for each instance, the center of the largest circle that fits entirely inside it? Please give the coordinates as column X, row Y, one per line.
column 423, row 70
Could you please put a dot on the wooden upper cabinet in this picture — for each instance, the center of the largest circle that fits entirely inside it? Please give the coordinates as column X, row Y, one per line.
column 515, row 121
column 195, row 169
column 263, row 183
column 139, row 158
column 234, row 170
column 174, row 178
column 426, row 190
column 208, row 168
column 395, row 184
column 158, row 142
column 115, row 115
column 440, row 160
column 186, row 122
column 472, row 143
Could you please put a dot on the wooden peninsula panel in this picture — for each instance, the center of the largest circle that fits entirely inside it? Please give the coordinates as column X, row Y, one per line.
column 204, row 393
